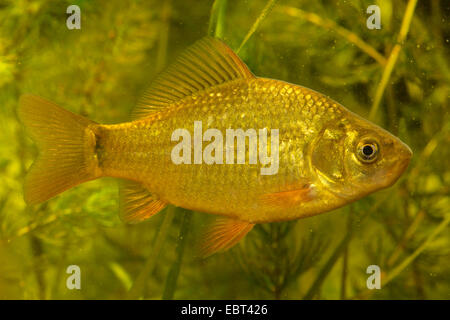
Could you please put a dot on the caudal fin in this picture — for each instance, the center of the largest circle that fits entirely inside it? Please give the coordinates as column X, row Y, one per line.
column 66, row 149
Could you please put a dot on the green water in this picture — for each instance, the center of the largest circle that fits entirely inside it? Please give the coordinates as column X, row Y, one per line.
column 101, row 70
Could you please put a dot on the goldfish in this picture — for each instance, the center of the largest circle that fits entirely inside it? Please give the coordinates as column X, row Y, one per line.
column 323, row 156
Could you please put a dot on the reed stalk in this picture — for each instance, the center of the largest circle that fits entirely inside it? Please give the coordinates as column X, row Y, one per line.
column 174, row 272
column 393, row 57
column 269, row 6
column 137, row 290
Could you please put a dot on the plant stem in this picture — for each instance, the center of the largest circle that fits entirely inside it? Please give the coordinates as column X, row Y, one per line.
column 163, row 36
column 327, row 268
column 408, row 234
column 387, row 72
column 390, row 275
column 331, row 25
column 340, row 249
column 137, row 289
column 258, row 21
column 431, row 146
column 217, row 19
column 174, row 271
column 345, row 261
column 397, row 270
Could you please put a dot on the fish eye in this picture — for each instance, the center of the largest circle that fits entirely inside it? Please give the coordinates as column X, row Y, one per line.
column 367, row 151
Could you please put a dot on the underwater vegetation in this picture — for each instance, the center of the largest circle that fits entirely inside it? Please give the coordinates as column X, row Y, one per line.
column 397, row 76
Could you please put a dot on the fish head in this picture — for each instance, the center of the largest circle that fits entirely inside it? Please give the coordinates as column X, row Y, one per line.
column 353, row 157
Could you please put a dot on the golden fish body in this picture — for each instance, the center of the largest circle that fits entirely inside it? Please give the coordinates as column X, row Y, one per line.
column 326, row 155
column 141, row 150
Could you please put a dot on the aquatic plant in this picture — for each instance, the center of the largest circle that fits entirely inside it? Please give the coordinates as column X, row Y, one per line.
column 397, row 75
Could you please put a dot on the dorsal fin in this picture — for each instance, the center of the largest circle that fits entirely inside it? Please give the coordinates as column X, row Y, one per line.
column 207, row 63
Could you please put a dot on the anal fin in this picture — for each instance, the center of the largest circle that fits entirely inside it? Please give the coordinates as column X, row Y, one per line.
column 137, row 203
column 223, row 234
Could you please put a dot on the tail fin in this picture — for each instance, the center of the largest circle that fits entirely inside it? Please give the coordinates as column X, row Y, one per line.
column 66, row 149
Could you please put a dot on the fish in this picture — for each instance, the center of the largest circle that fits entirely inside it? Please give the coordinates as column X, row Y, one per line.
column 323, row 155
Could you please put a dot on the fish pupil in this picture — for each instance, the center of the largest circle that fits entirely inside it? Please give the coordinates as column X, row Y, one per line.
column 367, row 150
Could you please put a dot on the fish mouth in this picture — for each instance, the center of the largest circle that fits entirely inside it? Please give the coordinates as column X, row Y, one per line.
column 403, row 165
column 398, row 168
column 405, row 158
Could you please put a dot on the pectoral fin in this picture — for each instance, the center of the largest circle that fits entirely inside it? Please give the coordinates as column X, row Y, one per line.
column 137, row 203
column 223, row 234
column 288, row 199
